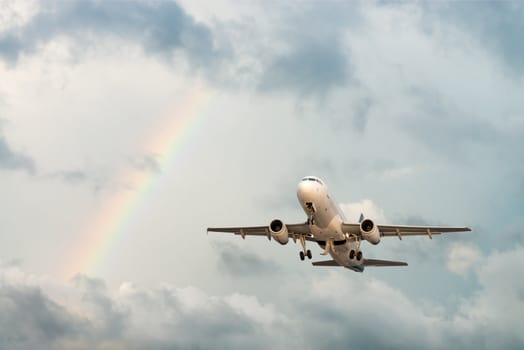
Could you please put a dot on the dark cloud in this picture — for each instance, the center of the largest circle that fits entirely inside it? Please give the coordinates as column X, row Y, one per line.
column 71, row 176
column 146, row 162
column 314, row 58
column 308, row 54
column 12, row 160
column 96, row 179
column 236, row 261
column 361, row 113
column 331, row 311
column 30, row 320
column 315, row 67
column 499, row 26
column 160, row 27
column 445, row 129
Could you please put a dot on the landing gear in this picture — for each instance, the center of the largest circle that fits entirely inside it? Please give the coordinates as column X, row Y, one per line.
column 357, row 254
column 310, row 207
column 303, row 253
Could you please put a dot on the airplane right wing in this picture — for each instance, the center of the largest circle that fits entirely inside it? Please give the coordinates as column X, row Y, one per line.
column 293, row 229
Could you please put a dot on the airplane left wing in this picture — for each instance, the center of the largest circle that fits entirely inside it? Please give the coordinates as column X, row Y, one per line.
column 293, row 230
column 404, row 230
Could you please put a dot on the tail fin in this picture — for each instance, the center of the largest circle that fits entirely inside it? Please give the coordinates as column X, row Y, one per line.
column 361, row 218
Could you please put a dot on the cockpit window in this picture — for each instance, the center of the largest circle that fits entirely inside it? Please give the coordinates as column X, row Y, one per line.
column 312, row 179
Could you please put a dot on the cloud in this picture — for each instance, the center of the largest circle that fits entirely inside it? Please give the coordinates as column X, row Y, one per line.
column 462, row 256
column 71, row 176
column 146, row 162
column 496, row 26
column 160, row 27
column 88, row 316
column 84, row 314
column 310, row 55
column 236, row 261
column 12, row 160
column 315, row 67
column 444, row 128
column 367, row 207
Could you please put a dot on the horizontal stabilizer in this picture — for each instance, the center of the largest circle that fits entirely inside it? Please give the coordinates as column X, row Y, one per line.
column 325, row 263
column 375, row 262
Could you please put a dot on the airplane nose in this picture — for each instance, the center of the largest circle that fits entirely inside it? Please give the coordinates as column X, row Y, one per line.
column 305, row 190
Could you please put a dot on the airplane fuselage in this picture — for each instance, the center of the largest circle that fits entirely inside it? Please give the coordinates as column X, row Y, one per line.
column 325, row 220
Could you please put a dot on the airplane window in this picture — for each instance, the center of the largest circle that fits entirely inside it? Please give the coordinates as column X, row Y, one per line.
column 312, row 179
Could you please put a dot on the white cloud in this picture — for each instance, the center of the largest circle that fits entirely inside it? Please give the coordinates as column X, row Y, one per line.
column 462, row 256
column 367, row 207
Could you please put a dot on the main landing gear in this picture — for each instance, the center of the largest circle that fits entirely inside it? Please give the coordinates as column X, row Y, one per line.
column 304, row 252
column 303, row 256
column 356, row 253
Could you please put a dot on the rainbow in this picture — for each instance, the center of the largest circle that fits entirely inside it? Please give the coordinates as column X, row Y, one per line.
column 109, row 226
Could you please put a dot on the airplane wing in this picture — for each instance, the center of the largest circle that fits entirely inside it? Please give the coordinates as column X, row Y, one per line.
column 404, row 230
column 367, row 262
column 293, row 229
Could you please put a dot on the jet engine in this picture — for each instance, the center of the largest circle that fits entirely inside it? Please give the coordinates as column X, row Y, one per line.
column 370, row 231
column 279, row 231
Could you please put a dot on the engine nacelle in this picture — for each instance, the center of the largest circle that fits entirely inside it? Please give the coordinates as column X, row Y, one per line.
column 279, row 231
column 370, row 231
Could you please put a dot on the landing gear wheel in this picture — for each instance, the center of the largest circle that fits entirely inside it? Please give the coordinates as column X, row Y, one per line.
column 302, row 257
column 359, row 256
column 309, row 255
column 351, row 254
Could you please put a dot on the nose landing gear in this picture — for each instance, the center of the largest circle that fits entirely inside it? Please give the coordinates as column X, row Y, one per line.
column 311, row 210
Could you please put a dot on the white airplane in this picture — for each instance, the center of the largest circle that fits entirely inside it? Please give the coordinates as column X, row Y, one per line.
column 327, row 227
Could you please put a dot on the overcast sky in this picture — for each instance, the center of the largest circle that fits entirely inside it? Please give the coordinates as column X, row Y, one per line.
column 411, row 113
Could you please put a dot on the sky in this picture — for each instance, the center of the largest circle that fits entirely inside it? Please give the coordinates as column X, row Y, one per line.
column 128, row 127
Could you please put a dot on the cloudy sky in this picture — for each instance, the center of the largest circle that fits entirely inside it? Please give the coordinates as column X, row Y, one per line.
column 127, row 128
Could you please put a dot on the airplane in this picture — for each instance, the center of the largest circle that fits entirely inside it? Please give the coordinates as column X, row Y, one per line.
column 326, row 225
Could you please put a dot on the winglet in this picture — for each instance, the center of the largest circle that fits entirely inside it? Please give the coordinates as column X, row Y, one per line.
column 361, row 218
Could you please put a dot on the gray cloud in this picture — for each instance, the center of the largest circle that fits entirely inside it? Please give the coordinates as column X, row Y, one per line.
column 146, row 162
column 237, row 261
column 440, row 125
column 159, row 27
column 12, row 160
column 314, row 67
column 314, row 59
column 498, row 26
column 332, row 310
column 306, row 55
column 30, row 320
column 71, row 176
